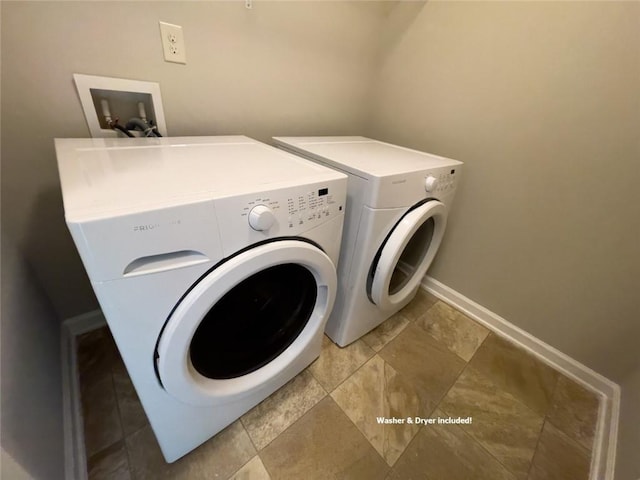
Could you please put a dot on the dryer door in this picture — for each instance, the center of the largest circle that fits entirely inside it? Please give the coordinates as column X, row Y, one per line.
column 245, row 321
column 406, row 254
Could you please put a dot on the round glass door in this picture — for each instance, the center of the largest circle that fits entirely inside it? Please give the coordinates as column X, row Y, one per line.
column 254, row 322
column 245, row 321
column 405, row 256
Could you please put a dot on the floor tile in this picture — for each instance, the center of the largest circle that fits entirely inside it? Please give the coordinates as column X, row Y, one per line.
column 96, row 353
column 335, row 364
column 253, row 470
column 446, row 452
column 102, row 426
column 422, row 302
column 109, row 464
column 427, row 364
column 273, row 415
column 516, row 371
column 559, row 458
column 385, row 332
column 504, row 426
column 323, row 444
column 458, row 332
column 375, row 391
column 304, row 433
column 219, row 457
column 574, row 411
column 132, row 415
column 96, row 356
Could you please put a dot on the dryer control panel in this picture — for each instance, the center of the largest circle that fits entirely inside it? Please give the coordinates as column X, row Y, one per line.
column 441, row 180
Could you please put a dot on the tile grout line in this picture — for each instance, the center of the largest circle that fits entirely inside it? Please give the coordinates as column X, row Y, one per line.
column 351, row 374
column 292, row 424
column 345, row 413
column 464, row 430
column 244, row 464
column 460, row 374
column 360, row 432
column 328, row 393
column 244, row 427
column 605, row 442
column 377, row 353
column 545, row 416
column 439, row 404
column 544, row 422
column 117, row 402
column 385, row 363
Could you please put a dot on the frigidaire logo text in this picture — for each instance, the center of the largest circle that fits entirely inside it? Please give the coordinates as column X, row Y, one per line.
column 153, row 226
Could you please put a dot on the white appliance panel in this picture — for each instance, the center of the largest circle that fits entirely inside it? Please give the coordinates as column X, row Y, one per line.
column 153, row 218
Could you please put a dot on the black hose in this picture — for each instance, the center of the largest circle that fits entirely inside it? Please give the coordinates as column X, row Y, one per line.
column 155, row 128
column 115, row 126
column 138, row 124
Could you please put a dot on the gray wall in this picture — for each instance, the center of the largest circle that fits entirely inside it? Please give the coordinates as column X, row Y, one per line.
column 30, row 377
column 279, row 68
column 541, row 102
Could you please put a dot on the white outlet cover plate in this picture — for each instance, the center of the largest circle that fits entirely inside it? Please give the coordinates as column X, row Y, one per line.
column 173, row 43
column 84, row 84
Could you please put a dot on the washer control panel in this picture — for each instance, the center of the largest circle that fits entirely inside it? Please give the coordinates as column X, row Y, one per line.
column 284, row 212
column 303, row 208
column 309, row 207
column 261, row 218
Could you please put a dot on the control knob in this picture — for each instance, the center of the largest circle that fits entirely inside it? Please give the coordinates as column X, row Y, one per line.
column 430, row 183
column 261, row 217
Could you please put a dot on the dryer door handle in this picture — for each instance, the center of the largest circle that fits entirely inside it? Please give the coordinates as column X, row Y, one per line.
column 164, row 261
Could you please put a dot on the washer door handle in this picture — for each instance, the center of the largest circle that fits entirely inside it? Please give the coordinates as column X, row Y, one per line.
column 164, row 261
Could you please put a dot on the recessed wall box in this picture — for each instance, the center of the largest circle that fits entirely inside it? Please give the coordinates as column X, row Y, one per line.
column 123, row 97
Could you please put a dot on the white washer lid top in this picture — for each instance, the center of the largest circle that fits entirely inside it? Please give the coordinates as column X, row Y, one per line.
column 123, row 175
column 363, row 156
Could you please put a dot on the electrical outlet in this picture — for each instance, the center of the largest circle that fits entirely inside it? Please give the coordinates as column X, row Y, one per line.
column 173, row 43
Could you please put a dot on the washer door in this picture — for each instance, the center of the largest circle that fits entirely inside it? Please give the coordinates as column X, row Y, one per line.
column 406, row 254
column 245, row 321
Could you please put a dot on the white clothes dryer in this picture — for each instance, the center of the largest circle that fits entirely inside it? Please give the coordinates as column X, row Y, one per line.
column 397, row 205
column 213, row 259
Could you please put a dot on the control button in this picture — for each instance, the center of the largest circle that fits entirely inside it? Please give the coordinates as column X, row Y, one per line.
column 430, row 183
column 261, row 218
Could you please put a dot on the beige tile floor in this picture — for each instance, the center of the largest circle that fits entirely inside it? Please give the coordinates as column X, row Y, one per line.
column 428, row 361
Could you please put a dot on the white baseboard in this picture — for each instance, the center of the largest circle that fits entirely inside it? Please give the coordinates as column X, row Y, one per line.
column 604, row 452
column 85, row 322
column 75, row 457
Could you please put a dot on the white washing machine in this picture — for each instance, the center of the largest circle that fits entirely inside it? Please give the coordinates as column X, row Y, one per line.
column 397, row 205
column 213, row 259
